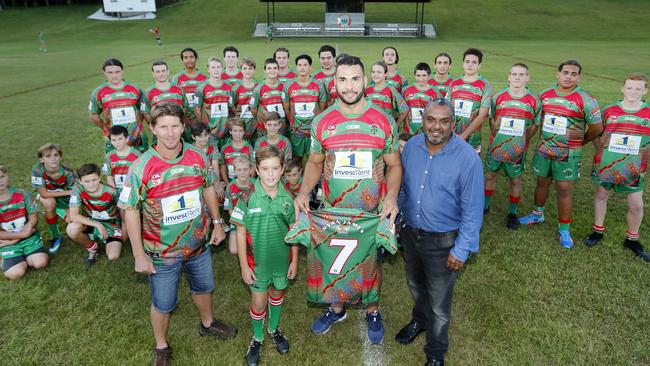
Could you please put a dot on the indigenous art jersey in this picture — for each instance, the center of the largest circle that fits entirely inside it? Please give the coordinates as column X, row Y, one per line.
column 243, row 97
column 293, row 190
column 102, row 207
column 513, row 116
column 169, row 194
column 120, row 107
column 229, row 152
column 234, row 192
column 270, row 98
column 189, row 85
column 283, row 144
column 154, row 96
column 387, row 99
column 215, row 102
column 63, row 182
column 303, row 101
column 416, row 100
column 267, row 222
column 468, row 99
column 441, row 88
column 15, row 211
column 565, row 119
column 353, row 145
column 342, row 254
column 118, row 166
column 397, row 81
column 623, row 158
column 232, row 79
column 283, row 79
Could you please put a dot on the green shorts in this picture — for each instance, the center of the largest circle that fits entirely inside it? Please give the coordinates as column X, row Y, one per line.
column 114, row 230
column 620, row 188
column 512, row 170
column 568, row 170
column 62, row 203
column 300, row 145
column 263, row 282
column 23, row 248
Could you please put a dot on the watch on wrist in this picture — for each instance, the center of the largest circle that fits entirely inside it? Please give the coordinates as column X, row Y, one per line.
column 218, row 221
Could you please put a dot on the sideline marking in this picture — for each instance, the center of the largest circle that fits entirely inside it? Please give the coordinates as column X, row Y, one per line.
column 372, row 354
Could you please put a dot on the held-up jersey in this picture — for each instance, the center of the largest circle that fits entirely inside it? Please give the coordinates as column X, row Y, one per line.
column 514, row 116
column 118, row 166
column 342, row 253
column 626, row 146
column 565, row 119
column 416, row 100
column 468, row 99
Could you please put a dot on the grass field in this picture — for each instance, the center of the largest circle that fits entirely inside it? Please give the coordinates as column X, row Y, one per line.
column 522, row 301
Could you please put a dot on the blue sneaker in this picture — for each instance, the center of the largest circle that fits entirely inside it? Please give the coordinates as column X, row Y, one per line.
column 375, row 327
column 531, row 219
column 55, row 245
column 565, row 238
column 323, row 323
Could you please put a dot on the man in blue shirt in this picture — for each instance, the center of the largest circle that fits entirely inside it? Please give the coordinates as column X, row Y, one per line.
column 441, row 201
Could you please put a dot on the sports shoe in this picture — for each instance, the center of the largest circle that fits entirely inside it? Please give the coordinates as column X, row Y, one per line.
column 162, row 357
column 92, row 257
column 323, row 323
column 435, row 362
column 512, row 222
column 593, row 239
column 637, row 249
column 565, row 238
column 409, row 332
column 218, row 328
column 375, row 327
column 253, row 353
column 55, row 245
column 280, row 341
column 531, row 219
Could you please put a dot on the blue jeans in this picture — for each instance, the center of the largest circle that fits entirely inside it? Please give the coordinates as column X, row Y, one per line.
column 431, row 284
column 164, row 283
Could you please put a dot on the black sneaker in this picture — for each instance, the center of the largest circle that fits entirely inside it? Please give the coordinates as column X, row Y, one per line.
column 162, row 357
column 280, row 341
column 253, row 353
column 92, row 257
column 593, row 239
column 218, row 328
column 637, row 249
column 513, row 222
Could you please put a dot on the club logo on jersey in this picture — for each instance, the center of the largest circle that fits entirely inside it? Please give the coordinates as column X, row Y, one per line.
column 181, row 207
column 287, row 207
column 331, row 130
column 624, row 144
column 156, row 179
column 352, row 165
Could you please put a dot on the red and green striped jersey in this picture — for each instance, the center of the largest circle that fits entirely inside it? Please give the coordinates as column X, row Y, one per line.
column 441, row 88
column 119, row 107
column 397, row 81
column 468, row 99
column 623, row 158
column 324, row 78
column 332, row 95
column 289, row 76
column 565, row 118
column 118, row 166
column 416, row 100
column 293, row 190
column 304, row 101
column 342, row 254
column 15, row 210
column 229, row 152
column 62, row 181
column 169, row 194
column 99, row 207
column 283, row 144
column 215, row 102
column 189, row 85
column 269, row 98
column 354, row 145
column 234, row 192
column 232, row 79
column 243, row 97
column 267, row 222
column 154, row 96
column 387, row 99
column 514, row 117
column 211, row 150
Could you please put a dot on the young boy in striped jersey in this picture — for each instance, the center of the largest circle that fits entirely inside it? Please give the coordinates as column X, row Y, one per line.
column 239, row 187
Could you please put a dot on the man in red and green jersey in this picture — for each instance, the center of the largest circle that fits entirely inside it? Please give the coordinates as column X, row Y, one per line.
column 394, row 77
column 303, row 98
column 471, row 95
column 117, row 103
column 165, row 195
column 162, row 91
column 354, row 147
column 244, row 90
column 281, row 56
column 515, row 113
column 189, row 79
column 267, row 97
column 215, row 101
column 416, row 97
column 621, row 161
column 441, row 80
column 231, row 74
column 326, row 55
column 570, row 118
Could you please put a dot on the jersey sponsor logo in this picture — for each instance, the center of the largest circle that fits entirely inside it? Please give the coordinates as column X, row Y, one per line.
column 463, row 108
column 237, row 214
column 74, row 200
column 9, row 253
column 119, row 180
column 331, row 130
column 305, row 109
column 181, row 207
column 176, row 171
column 555, row 124
column 512, row 126
column 352, row 127
column 14, row 226
column 122, row 116
column 624, row 144
column 124, row 196
column 37, row 181
column 100, row 215
column 353, row 165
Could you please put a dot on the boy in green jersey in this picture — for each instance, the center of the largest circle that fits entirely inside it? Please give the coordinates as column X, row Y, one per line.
column 267, row 262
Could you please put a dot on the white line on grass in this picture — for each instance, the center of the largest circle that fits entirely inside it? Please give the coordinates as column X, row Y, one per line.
column 373, row 354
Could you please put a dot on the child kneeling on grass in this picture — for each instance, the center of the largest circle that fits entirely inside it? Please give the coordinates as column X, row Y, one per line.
column 101, row 222
column 267, row 262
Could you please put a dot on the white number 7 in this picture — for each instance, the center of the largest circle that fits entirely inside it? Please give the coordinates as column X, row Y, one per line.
column 348, row 247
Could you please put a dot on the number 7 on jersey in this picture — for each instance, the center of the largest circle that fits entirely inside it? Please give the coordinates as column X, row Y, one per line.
column 347, row 248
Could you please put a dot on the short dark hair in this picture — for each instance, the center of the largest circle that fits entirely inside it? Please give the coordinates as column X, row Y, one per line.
column 572, row 63
column 327, row 48
column 474, row 51
column 88, row 169
column 442, row 54
column 381, row 64
column 165, row 109
column 112, row 62
column 422, row 66
column 270, row 61
column 292, row 163
column 118, row 130
column 189, row 49
column 281, row 49
column 303, row 57
column 348, row 60
column 159, row 63
column 394, row 49
column 519, row 64
column 230, row 49
column 198, row 128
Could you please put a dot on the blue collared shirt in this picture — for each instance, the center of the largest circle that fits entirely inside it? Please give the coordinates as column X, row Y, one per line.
column 443, row 191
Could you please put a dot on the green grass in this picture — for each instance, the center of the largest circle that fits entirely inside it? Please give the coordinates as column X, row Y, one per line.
column 522, row 301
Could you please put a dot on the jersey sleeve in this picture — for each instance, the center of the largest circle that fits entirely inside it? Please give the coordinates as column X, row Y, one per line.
column 145, row 107
column 392, row 141
column 70, row 178
column 209, row 175
column 198, row 96
column 94, row 106
column 37, row 177
column 592, row 111
column 75, row 197
column 386, row 236
column 106, row 167
column 238, row 216
column 254, row 102
column 399, row 104
column 285, row 94
column 493, row 102
column 30, row 205
column 316, row 145
column 132, row 193
column 537, row 117
column 322, row 92
column 486, row 98
column 299, row 232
